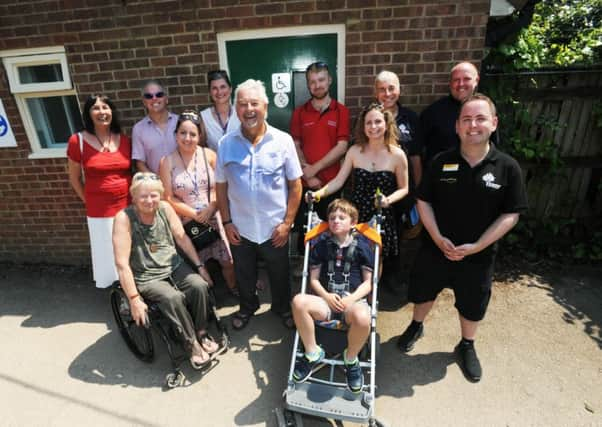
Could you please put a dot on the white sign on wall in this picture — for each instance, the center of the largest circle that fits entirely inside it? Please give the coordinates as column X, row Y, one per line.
column 281, row 82
column 7, row 139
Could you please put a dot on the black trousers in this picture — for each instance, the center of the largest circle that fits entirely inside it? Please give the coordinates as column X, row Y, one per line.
column 245, row 258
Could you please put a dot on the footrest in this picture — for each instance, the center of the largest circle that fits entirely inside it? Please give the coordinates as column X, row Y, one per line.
column 328, row 402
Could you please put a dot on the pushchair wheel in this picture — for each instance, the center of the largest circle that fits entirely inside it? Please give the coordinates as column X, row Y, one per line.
column 138, row 338
column 375, row 423
column 286, row 418
column 175, row 379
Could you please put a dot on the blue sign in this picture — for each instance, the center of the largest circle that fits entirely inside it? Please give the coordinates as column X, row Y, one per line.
column 3, row 126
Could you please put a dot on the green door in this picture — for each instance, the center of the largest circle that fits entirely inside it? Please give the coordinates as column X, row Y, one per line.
column 273, row 59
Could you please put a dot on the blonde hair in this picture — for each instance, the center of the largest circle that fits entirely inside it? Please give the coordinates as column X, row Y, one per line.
column 344, row 206
column 151, row 180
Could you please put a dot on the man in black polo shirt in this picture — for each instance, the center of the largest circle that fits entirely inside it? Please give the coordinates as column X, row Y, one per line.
column 469, row 198
column 438, row 120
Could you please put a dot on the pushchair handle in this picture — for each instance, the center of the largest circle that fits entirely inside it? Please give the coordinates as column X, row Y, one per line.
column 310, row 198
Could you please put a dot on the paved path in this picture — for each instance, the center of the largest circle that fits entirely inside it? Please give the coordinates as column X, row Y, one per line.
column 62, row 363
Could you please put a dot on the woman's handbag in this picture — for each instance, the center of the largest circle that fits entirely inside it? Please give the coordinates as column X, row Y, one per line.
column 202, row 235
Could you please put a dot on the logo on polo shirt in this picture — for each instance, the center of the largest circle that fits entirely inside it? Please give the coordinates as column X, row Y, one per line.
column 332, row 123
column 450, row 167
column 489, row 181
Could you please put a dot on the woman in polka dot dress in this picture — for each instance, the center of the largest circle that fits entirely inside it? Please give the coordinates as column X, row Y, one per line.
column 375, row 161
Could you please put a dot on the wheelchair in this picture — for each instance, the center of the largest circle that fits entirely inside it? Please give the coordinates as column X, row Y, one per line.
column 139, row 339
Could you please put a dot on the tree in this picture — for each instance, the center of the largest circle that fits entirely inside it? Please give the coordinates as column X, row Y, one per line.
column 562, row 33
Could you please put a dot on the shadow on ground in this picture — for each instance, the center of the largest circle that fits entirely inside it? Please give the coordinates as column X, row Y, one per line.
column 45, row 295
column 577, row 289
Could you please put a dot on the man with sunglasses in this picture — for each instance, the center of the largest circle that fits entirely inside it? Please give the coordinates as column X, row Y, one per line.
column 154, row 136
column 320, row 129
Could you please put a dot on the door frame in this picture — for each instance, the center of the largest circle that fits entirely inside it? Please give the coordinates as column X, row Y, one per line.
column 305, row 30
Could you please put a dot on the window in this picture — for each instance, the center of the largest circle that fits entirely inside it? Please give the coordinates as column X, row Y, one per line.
column 40, row 81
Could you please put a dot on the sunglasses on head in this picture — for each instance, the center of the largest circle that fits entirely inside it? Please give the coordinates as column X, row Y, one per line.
column 190, row 115
column 150, row 176
column 216, row 74
column 148, row 95
column 320, row 65
column 374, row 106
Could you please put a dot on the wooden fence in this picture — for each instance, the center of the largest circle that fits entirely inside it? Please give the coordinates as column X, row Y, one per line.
column 562, row 117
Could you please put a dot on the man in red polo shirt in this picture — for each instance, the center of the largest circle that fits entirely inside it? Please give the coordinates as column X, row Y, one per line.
column 320, row 129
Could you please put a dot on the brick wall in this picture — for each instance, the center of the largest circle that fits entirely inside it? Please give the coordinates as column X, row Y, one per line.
column 113, row 46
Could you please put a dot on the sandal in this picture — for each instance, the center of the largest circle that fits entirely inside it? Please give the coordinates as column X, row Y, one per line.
column 208, row 344
column 240, row 320
column 199, row 365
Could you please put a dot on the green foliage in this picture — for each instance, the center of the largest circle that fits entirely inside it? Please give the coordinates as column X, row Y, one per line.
column 526, row 136
column 597, row 113
column 558, row 239
column 562, row 33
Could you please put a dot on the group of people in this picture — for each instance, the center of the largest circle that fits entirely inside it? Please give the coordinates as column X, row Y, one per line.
column 228, row 168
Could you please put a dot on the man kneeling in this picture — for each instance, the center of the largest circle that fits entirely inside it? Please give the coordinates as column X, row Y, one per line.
column 343, row 261
column 144, row 240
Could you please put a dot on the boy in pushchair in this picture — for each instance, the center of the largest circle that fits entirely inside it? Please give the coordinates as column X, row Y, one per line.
column 340, row 273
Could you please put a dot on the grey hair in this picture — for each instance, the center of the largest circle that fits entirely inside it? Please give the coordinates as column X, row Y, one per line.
column 251, row 84
column 387, row 76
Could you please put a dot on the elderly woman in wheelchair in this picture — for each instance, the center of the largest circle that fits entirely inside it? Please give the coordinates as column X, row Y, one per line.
column 145, row 235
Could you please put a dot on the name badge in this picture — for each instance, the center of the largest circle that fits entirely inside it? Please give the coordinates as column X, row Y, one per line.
column 451, row 167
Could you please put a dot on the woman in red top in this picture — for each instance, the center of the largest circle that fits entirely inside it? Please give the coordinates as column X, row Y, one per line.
column 104, row 156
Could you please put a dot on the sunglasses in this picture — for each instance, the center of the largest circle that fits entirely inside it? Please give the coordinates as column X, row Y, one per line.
column 374, row 106
column 190, row 115
column 153, row 95
column 147, row 176
column 317, row 66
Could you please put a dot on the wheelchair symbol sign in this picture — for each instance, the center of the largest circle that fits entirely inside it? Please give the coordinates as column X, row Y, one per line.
column 281, row 83
column 7, row 139
column 3, row 126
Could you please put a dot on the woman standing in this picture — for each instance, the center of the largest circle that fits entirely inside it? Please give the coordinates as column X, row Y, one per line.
column 187, row 175
column 99, row 171
column 220, row 118
column 375, row 162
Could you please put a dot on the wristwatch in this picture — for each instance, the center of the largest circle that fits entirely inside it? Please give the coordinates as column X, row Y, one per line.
column 199, row 265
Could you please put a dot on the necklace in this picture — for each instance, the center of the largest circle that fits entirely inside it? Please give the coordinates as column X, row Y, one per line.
column 223, row 125
column 195, row 183
column 104, row 145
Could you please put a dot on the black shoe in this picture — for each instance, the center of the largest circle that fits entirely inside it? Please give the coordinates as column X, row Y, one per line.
column 406, row 341
column 304, row 367
column 468, row 361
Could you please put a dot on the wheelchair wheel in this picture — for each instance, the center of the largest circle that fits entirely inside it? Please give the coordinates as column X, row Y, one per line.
column 139, row 339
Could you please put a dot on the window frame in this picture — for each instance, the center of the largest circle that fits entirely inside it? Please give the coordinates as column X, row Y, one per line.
column 12, row 61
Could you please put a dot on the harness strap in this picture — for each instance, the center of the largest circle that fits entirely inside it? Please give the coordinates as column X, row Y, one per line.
column 332, row 254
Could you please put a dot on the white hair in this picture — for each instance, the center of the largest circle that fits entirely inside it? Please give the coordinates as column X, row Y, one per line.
column 251, row 84
column 388, row 77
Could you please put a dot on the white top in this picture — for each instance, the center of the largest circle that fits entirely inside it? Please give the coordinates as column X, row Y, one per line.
column 214, row 129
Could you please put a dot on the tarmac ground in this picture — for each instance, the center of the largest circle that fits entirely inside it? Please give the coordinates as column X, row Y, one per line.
column 63, row 362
